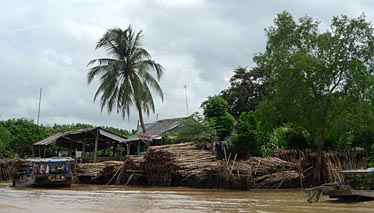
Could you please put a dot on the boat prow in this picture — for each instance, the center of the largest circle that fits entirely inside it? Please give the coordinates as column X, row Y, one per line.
column 359, row 185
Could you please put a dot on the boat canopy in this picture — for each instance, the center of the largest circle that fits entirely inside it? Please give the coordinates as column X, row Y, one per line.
column 51, row 161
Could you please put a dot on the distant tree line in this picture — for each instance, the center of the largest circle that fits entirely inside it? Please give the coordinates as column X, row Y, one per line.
column 18, row 135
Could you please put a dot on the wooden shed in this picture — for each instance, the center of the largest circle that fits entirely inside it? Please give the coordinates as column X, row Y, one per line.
column 83, row 140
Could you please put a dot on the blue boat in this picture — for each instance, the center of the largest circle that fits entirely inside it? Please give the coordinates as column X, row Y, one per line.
column 45, row 172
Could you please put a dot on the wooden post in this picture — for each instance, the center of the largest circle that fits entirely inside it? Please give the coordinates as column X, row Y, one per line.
column 83, row 149
column 96, row 145
column 128, row 148
column 71, row 149
column 114, row 149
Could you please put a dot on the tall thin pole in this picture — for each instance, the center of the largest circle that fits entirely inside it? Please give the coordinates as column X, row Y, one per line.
column 40, row 100
column 185, row 92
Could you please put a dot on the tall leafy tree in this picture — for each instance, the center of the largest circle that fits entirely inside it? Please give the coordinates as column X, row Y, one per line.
column 215, row 110
column 125, row 77
column 321, row 80
column 247, row 89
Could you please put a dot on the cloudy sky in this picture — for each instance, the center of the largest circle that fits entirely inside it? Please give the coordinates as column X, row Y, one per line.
column 47, row 44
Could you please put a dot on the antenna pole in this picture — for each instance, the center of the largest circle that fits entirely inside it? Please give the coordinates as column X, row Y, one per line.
column 185, row 92
column 40, row 100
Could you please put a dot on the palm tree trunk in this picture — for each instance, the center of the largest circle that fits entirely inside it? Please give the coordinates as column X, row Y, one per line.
column 141, row 117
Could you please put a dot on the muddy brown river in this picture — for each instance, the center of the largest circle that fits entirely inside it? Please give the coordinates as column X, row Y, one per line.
column 93, row 198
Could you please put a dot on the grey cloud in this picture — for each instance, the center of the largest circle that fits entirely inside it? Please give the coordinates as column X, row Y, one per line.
column 48, row 44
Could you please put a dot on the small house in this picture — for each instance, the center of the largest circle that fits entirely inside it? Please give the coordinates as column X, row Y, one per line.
column 138, row 144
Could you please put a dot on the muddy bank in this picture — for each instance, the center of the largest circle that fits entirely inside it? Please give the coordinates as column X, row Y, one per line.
column 187, row 164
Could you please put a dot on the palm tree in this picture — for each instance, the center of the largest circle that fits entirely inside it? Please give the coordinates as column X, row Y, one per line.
column 124, row 77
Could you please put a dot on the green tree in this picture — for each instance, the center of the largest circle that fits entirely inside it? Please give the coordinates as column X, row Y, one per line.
column 5, row 139
column 23, row 134
column 247, row 88
column 247, row 142
column 125, row 77
column 57, row 128
column 318, row 78
column 195, row 128
column 215, row 109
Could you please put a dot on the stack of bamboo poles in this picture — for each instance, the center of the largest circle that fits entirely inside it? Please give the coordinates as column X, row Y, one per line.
column 110, row 172
column 265, row 173
column 332, row 163
column 180, row 164
column 97, row 172
column 187, row 164
column 17, row 167
column 131, row 171
column 6, row 169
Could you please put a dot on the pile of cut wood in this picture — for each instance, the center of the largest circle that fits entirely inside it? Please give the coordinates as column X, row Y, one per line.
column 97, row 173
column 17, row 166
column 266, row 173
column 110, row 172
column 332, row 163
column 186, row 164
column 10, row 167
column 132, row 172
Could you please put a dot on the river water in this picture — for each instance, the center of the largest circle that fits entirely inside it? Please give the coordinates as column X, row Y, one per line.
column 94, row 198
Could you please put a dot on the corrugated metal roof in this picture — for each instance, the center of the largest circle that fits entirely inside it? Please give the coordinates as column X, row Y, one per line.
column 56, row 136
column 111, row 135
column 158, row 128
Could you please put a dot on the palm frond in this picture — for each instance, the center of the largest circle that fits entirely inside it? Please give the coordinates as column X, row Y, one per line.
column 125, row 77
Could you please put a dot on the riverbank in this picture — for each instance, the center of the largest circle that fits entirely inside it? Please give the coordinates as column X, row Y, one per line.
column 188, row 164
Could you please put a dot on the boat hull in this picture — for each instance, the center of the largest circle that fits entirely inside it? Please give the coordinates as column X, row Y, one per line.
column 46, row 180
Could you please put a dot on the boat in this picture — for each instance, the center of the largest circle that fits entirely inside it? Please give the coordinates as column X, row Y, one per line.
column 358, row 185
column 45, row 172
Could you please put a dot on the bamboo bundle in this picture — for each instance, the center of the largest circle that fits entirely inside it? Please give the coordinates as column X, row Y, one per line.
column 266, row 173
column 6, row 169
column 332, row 163
column 180, row 164
column 134, row 162
column 18, row 166
column 97, row 172
column 132, row 170
column 284, row 179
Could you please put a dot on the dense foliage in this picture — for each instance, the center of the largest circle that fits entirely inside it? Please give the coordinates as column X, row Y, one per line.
column 322, row 81
column 247, row 142
column 18, row 135
column 309, row 89
column 215, row 110
column 247, row 89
